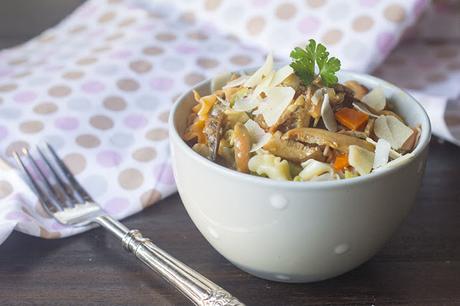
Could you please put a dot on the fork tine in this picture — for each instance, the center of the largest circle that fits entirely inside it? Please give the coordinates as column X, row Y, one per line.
column 44, row 199
column 67, row 191
column 68, row 174
column 56, row 192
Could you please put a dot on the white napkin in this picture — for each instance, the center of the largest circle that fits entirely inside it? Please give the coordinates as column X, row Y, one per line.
column 99, row 85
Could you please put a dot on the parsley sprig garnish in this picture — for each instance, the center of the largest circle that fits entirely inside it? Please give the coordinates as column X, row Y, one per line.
column 304, row 60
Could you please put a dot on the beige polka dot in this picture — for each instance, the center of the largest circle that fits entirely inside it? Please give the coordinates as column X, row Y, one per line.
column 157, row 134
column 86, row 61
column 436, row 77
column 73, row 75
column 150, row 197
column 362, row 23
column 164, row 117
column 115, row 103
column 41, row 211
column 211, row 5
column 394, row 13
column 31, row 127
column 240, row 60
column 20, row 75
column 193, row 78
column 454, row 66
column 316, row 3
column 152, row 51
column 114, row 36
column 46, row 38
column 45, row 108
column 255, row 25
column 77, row 29
column 285, row 11
column 332, row 37
column 207, row 63
column 16, row 146
column 76, row 162
column 17, row 61
column 101, row 122
column 188, row 17
column 128, row 84
column 107, row 17
column 8, row 87
column 145, row 154
column 59, row 91
column 5, row 189
column 197, row 36
column 127, row 22
column 140, row 66
column 88, row 141
column 101, row 49
column 49, row 235
column 130, row 179
column 446, row 52
column 165, row 36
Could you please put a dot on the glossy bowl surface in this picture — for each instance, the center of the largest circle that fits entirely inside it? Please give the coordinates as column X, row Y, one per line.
column 297, row 231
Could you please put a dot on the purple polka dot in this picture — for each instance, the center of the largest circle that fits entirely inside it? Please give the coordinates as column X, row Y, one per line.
column 162, row 83
column 164, row 173
column 135, row 121
column 92, row 87
column 25, row 96
column 115, row 206
column 108, row 158
column 369, row 3
column 385, row 42
column 67, row 123
column 186, row 49
column 55, row 226
column 3, row 132
column 146, row 28
column 5, row 71
column 17, row 216
column 121, row 54
column 309, row 25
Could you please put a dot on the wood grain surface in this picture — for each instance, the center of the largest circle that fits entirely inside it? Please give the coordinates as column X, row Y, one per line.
column 419, row 266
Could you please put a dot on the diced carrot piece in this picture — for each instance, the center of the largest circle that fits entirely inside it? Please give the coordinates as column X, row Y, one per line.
column 351, row 118
column 341, row 161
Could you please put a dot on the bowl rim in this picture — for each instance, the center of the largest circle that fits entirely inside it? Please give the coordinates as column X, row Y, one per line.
column 423, row 142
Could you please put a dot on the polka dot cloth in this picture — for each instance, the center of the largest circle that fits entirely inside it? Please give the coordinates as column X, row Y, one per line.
column 361, row 32
column 98, row 87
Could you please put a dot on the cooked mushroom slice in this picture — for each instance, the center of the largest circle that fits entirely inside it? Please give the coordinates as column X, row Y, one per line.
column 292, row 150
column 359, row 91
column 411, row 142
column 320, row 137
column 213, row 130
column 369, row 129
column 288, row 113
column 358, row 134
column 242, row 147
column 391, row 113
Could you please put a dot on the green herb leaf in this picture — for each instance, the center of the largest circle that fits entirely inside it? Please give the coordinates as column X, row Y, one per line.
column 304, row 60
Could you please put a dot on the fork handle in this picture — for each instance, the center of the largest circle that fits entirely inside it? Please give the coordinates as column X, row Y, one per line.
column 196, row 287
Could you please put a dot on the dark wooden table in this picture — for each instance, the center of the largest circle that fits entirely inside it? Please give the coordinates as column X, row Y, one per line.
column 419, row 266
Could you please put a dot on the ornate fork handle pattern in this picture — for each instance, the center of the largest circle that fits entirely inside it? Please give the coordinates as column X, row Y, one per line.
column 196, row 287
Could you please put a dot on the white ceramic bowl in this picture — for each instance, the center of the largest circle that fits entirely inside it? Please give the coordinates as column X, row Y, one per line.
column 297, row 231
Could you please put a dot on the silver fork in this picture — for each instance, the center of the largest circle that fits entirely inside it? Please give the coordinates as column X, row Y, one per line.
column 67, row 201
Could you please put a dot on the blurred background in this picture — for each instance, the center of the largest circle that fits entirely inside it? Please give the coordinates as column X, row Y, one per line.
column 21, row 20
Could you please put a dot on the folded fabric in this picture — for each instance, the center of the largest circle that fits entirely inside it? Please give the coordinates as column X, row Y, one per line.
column 99, row 85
